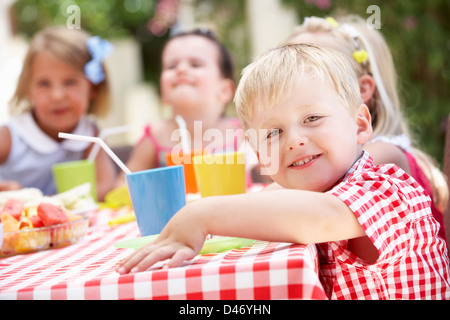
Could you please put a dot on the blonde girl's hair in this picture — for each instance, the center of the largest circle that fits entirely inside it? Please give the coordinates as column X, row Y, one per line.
column 351, row 33
column 70, row 47
column 272, row 75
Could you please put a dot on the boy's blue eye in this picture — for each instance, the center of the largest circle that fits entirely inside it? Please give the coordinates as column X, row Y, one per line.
column 273, row 132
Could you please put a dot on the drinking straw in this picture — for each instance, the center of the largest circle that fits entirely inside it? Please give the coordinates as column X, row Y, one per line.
column 103, row 134
column 101, row 143
column 183, row 133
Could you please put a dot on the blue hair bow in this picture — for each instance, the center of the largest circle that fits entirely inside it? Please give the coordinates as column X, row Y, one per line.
column 99, row 50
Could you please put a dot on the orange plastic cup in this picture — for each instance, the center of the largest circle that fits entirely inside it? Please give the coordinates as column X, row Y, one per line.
column 187, row 161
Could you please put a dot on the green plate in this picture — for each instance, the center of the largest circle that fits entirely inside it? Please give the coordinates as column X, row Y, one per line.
column 210, row 246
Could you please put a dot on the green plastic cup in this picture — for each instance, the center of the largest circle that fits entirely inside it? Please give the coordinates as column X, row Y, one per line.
column 68, row 175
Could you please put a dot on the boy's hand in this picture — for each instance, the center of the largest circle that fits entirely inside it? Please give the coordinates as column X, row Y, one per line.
column 181, row 239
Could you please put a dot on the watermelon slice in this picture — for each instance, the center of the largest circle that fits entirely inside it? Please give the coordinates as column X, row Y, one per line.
column 51, row 214
column 36, row 222
column 13, row 207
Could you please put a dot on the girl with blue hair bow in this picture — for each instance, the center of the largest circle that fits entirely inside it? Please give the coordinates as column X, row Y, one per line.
column 62, row 88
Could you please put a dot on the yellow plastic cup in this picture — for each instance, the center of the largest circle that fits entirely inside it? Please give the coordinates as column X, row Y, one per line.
column 68, row 175
column 220, row 173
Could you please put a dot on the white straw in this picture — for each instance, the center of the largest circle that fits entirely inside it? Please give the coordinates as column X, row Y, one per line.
column 103, row 134
column 183, row 133
column 101, row 143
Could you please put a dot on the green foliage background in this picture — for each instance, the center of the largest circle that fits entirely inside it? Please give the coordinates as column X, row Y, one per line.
column 418, row 33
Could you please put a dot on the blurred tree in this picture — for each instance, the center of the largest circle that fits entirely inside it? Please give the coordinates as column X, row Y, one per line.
column 106, row 18
column 228, row 20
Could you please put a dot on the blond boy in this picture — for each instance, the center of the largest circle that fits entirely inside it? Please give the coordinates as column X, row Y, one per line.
column 373, row 225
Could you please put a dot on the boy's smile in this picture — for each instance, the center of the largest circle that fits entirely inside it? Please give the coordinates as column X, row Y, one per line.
column 306, row 161
column 311, row 136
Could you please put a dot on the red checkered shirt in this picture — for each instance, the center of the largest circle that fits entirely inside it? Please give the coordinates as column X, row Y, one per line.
column 395, row 213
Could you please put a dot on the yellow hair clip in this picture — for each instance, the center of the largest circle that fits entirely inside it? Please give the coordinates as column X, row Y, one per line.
column 360, row 56
column 332, row 21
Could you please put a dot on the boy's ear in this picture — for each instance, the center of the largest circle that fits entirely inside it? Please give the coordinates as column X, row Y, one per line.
column 364, row 124
column 367, row 87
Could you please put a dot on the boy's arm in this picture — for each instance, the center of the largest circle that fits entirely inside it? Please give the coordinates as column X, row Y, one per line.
column 279, row 215
column 284, row 215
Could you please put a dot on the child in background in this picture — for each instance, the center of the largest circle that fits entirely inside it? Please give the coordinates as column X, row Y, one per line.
column 372, row 224
column 372, row 60
column 197, row 82
column 61, row 84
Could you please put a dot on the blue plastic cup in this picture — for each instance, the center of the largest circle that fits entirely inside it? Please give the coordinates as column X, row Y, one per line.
column 156, row 195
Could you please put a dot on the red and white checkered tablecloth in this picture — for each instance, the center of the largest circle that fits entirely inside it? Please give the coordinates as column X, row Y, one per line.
column 86, row 270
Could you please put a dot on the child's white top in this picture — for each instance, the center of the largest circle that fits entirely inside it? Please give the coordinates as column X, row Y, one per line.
column 401, row 141
column 33, row 153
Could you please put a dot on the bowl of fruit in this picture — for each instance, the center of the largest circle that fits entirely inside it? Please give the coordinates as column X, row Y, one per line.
column 41, row 227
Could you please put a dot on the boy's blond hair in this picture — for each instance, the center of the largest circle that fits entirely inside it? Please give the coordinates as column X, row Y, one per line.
column 68, row 46
column 385, row 105
column 272, row 75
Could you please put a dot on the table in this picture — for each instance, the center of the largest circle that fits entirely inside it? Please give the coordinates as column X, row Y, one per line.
column 86, row 271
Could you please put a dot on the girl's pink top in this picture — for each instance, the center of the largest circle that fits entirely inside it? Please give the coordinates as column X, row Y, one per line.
column 420, row 177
